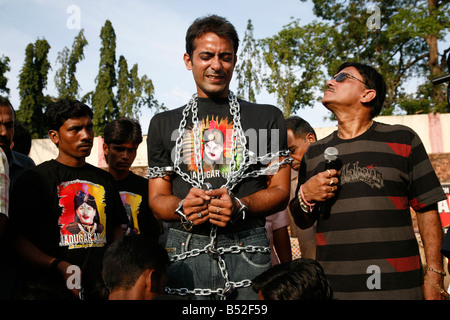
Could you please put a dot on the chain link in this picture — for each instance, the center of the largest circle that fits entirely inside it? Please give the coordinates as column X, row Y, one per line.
column 236, row 175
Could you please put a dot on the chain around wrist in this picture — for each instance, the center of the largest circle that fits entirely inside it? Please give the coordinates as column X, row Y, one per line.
column 240, row 212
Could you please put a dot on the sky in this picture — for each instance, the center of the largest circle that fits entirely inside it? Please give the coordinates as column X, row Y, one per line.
column 148, row 32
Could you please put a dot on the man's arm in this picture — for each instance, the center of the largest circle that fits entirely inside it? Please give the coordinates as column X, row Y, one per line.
column 36, row 257
column 430, row 229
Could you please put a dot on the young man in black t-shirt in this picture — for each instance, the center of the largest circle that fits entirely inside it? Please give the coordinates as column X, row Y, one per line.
column 220, row 243
column 121, row 141
column 64, row 212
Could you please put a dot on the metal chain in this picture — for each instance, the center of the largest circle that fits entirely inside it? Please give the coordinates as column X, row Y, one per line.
column 235, row 176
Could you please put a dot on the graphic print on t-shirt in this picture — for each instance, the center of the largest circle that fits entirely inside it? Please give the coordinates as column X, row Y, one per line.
column 82, row 221
column 131, row 202
column 216, row 147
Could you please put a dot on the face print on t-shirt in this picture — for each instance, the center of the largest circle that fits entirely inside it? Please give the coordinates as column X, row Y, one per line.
column 215, row 145
column 82, row 221
column 131, row 202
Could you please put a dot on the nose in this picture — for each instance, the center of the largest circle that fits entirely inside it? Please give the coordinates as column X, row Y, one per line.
column 330, row 82
column 87, row 134
column 216, row 64
column 3, row 130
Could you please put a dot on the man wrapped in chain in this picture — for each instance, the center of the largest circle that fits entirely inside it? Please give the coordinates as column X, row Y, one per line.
column 217, row 167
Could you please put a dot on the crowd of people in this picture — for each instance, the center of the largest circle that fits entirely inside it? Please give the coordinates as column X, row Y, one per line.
column 228, row 183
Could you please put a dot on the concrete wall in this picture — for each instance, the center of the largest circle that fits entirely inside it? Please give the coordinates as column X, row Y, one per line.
column 434, row 130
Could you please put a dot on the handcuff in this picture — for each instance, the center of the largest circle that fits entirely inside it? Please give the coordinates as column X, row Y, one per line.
column 241, row 211
column 185, row 222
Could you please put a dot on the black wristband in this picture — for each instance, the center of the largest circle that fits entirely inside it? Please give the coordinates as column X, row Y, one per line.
column 54, row 265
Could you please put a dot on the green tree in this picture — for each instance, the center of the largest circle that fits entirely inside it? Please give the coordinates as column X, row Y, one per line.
column 65, row 80
column 294, row 57
column 32, row 82
column 4, row 68
column 104, row 103
column 248, row 67
column 133, row 92
column 402, row 47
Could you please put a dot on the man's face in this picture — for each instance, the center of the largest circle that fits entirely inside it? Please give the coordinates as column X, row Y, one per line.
column 212, row 65
column 345, row 93
column 298, row 147
column 74, row 138
column 120, row 157
column 86, row 214
column 6, row 127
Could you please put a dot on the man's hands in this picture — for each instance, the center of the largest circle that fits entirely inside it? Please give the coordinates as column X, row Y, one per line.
column 321, row 187
column 215, row 206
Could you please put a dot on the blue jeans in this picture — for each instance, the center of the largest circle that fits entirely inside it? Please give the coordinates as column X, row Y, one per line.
column 203, row 272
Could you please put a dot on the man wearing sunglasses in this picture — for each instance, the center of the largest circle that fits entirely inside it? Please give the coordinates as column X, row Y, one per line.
column 365, row 241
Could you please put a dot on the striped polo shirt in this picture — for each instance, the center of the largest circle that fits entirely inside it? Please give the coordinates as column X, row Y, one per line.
column 367, row 244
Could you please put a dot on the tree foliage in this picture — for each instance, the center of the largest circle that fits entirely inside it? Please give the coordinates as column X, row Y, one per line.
column 4, row 68
column 32, row 82
column 119, row 92
column 65, row 77
column 248, row 67
column 403, row 46
column 295, row 56
column 104, row 103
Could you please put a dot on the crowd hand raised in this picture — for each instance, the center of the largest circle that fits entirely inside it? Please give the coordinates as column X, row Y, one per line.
column 195, row 206
column 321, row 187
column 220, row 207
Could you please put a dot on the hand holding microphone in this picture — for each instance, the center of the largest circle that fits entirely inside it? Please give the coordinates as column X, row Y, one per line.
column 323, row 185
column 332, row 163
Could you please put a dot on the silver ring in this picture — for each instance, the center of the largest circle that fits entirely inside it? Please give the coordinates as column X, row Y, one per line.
column 199, row 214
column 218, row 210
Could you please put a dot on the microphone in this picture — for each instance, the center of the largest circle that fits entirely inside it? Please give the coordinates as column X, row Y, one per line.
column 331, row 156
column 331, row 162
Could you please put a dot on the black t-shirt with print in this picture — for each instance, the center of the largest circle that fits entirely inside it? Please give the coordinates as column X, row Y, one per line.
column 134, row 194
column 265, row 131
column 68, row 213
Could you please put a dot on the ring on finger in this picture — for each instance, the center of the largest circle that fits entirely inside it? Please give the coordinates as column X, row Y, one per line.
column 329, row 173
column 199, row 214
column 331, row 182
column 218, row 209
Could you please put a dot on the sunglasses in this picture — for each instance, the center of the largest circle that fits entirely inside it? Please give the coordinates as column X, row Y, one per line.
column 343, row 75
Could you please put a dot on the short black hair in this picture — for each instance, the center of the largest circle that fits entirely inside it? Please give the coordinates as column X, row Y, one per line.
column 374, row 80
column 128, row 257
column 59, row 111
column 299, row 279
column 122, row 130
column 299, row 126
column 211, row 23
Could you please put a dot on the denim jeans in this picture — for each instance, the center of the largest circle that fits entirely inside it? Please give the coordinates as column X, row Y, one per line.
column 203, row 272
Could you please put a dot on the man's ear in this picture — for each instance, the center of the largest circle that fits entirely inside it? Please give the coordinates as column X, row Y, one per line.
column 368, row 95
column 54, row 136
column 187, row 61
column 105, row 149
column 310, row 137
